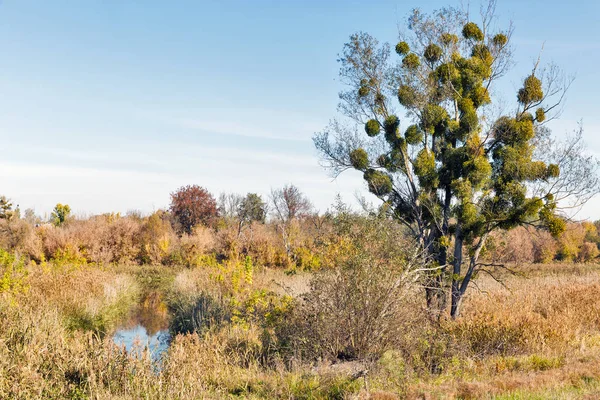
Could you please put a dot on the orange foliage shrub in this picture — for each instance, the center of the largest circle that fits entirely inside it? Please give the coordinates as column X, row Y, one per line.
column 306, row 243
column 515, row 245
column 588, row 252
column 544, row 247
column 101, row 239
column 19, row 236
column 262, row 242
column 528, row 245
column 188, row 250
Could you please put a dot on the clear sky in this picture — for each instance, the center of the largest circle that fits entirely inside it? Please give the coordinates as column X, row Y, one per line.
column 110, row 105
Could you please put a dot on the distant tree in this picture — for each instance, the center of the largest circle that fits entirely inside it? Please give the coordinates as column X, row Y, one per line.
column 252, row 208
column 289, row 203
column 60, row 214
column 6, row 208
column 458, row 169
column 30, row 217
column 229, row 204
column 135, row 214
column 193, row 205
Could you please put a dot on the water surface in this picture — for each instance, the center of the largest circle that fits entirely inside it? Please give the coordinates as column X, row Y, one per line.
column 147, row 327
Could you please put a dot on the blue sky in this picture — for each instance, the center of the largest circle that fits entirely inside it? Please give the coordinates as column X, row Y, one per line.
column 110, row 105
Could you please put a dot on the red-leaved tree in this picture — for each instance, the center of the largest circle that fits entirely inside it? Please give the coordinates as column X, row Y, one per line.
column 192, row 205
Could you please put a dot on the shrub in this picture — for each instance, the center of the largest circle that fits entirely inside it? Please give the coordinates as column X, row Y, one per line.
column 192, row 250
column 102, row 239
column 544, row 247
column 155, row 239
column 361, row 308
column 115, row 241
column 515, row 245
column 13, row 275
column 18, row 236
column 588, row 252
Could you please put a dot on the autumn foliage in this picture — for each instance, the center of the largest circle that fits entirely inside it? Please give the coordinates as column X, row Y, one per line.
column 193, row 205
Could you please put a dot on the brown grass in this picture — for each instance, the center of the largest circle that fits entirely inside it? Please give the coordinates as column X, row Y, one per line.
column 555, row 351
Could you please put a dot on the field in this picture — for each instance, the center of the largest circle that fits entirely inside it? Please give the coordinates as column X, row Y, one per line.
column 535, row 336
column 319, row 307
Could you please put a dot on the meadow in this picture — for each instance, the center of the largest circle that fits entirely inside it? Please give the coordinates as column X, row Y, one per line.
column 332, row 309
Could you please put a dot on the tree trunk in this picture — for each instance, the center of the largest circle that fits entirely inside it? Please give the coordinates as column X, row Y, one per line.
column 456, row 268
column 460, row 290
column 435, row 293
column 464, row 284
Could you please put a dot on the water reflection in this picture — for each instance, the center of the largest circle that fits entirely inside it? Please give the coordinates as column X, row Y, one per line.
column 138, row 339
column 146, row 328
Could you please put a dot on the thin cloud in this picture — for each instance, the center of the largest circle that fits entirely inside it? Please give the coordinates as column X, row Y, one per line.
column 249, row 122
column 234, row 128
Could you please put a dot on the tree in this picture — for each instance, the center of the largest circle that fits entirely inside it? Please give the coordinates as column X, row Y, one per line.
column 242, row 209
column 252, row 208
column 193, row 205
column 228, row 204
column 30, row 217
column 288, row 204
column 6, row 208
column 60, row 214
column 457, row 170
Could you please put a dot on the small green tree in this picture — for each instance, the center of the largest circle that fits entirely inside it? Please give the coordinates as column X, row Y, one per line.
column 6, row 208
column 251, row 209
column 60, row 214
column 456, row 171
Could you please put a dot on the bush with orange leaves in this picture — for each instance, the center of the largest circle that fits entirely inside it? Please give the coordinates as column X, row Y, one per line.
column 102, row 239
column 310, row 242
column 522, row 245
column 515, row 245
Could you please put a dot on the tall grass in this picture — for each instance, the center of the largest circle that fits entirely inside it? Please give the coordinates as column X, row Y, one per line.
column 333, row 319
column 541, row 338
